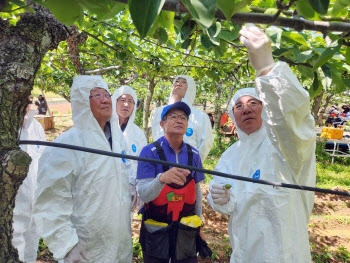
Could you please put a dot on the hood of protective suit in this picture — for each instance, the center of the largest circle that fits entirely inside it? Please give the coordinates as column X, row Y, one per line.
column 119, row 92
column 240, row 93
column 190, row 93
column 81, row 112
column 28, row 119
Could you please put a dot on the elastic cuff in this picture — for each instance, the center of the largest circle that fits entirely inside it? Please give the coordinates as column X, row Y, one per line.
column 158, row 176
column 259, row 71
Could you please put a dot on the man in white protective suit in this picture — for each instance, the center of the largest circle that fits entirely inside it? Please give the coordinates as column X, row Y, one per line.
column 124, row 102
column 25, row 236
column 83, row 199
column 276, row 143
column 199, row 132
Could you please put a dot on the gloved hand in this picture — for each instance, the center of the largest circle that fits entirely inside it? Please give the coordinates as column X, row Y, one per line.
column 135, row 199
column 220, row 194
column 76, row 254
column 258, row 45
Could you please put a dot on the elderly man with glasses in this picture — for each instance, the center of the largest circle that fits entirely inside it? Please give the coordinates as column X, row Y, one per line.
column 83, row 199
column 276, row 143
column 170, row 193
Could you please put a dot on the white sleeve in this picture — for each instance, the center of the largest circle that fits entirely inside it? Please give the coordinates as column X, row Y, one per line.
column 54, row 204
column 157, row 131
column 290, row 125
column 206, row 138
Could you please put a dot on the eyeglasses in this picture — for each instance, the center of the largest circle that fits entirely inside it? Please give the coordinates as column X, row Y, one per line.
column 250, row 104
column 122, row 100
column 100, row 96
column 173, row 117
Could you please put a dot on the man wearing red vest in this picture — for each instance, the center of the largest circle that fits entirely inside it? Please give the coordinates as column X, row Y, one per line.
column 170, row 193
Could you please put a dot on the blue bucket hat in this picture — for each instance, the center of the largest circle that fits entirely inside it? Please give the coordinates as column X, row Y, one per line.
column 177, row 105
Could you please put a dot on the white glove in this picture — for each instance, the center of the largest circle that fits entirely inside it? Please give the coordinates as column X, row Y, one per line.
column 258, row 45
column 135, row 198
column 220, row 194
column 76, row 254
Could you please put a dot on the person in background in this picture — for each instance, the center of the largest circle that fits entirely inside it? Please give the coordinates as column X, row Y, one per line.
column 123, row 101
column 42, row 105
column 277, row 142
column 199, row 132
column 346, row 112
column 25, row 236
column 170, row 193
column 83, row 199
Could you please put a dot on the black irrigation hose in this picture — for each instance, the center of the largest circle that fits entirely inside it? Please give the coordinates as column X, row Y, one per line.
column 236, row 177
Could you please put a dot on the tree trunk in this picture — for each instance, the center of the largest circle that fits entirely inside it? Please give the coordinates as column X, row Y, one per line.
column 322, row 110
column 317, row 105
column 22, row 48
column 147, row 106
column 217, row 110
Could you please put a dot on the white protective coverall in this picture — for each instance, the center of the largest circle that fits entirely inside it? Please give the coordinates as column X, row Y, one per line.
column 85, row 197
column 25, row 236
column 269, row 224
column 133, row 140
column 199, row 132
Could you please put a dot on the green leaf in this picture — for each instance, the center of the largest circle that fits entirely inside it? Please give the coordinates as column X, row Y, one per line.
column 306, row 71
column 187, row 43
column 227, row 7
column 61, row 11
column 340, row 5
column 325, row 74
column 187, row 28
column 206, row 41
column 166, row 19
column 303, row 56
column 103, row 9
column 162, row 36
column 202, row 10
column 338, row 81
column 281, row 52
column 115, row 9
column 316, row 87
column 328, row 53
column 144, row 13
column 304, row 9
column 213, row 32
column 320, row 6
column 275, row 34
column 296, row 37
column 240, row 5
column 347, row 55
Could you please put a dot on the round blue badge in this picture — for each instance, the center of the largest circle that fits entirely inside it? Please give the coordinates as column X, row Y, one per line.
column 123, row 159
column 256, row 175
column 189, row 132
column 133, row 147
column 38, row 146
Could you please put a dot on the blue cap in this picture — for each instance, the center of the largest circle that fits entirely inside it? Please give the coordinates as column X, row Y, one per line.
column 177, row 105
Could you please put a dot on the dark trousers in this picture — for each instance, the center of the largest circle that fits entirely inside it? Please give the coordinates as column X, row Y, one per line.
column 148, row 259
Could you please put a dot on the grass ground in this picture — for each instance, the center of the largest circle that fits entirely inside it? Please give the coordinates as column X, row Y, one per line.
column 329, row 225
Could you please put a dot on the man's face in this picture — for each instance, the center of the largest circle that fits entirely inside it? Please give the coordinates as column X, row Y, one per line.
column 100, row 104
column 176, row 123
column 180, row 87
column 247, row 113
column 125, row 105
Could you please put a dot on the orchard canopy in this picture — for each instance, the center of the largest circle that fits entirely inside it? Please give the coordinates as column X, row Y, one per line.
column 145, row 43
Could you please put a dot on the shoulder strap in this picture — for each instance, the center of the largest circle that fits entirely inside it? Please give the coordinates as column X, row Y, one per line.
column 161, row 154
column 190, row 155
